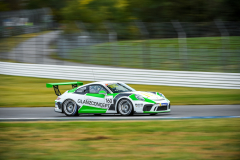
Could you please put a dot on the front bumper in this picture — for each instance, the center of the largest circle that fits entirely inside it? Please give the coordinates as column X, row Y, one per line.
column 157, row 111
column 158, row 107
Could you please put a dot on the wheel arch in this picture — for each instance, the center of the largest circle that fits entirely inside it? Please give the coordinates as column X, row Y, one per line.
column 125, row 97
column 78, row 107
column 68, row 99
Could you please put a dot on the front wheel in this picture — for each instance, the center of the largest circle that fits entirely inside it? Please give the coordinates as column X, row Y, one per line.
column 70, row 108
column 125, row 107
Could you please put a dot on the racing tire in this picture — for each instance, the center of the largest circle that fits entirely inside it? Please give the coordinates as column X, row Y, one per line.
column 70, row 108
column 97, row 114
column 125, row 107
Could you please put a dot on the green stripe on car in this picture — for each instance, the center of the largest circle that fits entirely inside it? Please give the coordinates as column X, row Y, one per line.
column 149, row 100
column 133, row 97
column 88, row 109
column 72, row 90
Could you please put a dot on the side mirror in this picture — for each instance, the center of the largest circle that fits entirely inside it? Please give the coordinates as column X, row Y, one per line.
column 103, row 92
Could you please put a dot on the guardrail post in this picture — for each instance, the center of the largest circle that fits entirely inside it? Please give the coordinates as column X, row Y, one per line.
column 145, row 51
column 41, row 48
column 21, row 52
column 112, row 37
column 182, row 44
column 225, row 42
column 5, row 54
column 86, row 35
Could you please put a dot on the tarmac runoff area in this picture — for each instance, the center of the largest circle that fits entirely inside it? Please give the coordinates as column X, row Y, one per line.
column 177, row 112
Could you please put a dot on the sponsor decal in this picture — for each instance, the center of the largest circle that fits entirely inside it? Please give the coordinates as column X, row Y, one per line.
column 163, row 104
column 148, row 95
column 139, row 105
column 95, row 104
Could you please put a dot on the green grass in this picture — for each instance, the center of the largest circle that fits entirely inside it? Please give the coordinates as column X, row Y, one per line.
column 204, row 54
column 165, row 139
column 19, row 91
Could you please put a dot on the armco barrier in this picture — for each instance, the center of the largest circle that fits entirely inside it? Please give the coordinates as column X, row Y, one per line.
column 131, row 76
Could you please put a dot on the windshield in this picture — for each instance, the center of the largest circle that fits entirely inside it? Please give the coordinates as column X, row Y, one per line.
column 120, row 87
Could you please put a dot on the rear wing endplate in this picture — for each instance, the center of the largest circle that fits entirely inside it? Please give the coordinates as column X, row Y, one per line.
column 56, row 89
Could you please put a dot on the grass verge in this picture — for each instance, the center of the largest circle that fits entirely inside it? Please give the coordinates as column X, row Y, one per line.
column 167, row 140
column 19, row 91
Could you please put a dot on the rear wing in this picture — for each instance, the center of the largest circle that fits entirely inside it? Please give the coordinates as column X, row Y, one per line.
column 56, row 89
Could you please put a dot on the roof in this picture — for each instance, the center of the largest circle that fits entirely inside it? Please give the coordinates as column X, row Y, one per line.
column 102, row 82
column 105, row 82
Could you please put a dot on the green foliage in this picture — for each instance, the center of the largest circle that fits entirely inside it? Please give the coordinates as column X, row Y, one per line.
column 126, row 10
column 4, row 6
column 151, row 10
column 55, row 6
column 93, row 11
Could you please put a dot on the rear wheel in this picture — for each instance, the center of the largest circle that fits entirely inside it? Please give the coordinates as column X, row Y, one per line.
column 125, row 107
column 70, row 108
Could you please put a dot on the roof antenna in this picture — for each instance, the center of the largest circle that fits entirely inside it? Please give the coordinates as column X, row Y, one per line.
column 93, row 75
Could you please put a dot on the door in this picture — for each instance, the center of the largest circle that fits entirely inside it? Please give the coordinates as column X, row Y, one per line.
column 94, row 102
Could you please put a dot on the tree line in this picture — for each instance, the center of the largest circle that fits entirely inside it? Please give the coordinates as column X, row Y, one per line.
column 94, row 11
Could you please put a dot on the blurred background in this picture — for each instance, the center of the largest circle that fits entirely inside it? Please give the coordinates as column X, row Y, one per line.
column 51, row 41
column 197, row 35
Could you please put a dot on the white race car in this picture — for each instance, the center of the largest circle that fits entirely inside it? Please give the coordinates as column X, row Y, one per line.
column 107, row 97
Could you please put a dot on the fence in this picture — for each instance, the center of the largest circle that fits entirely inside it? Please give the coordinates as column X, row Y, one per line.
column 131, row 76
column 212, row 46
column 15, row 23
column 180, row 46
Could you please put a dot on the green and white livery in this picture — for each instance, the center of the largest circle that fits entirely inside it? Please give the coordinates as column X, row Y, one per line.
column 107, row 97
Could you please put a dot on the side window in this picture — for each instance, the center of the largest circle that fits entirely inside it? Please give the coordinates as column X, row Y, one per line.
column 96, row 89
column 82, row 90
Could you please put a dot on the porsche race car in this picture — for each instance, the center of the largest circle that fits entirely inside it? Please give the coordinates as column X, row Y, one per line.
column 107, row 97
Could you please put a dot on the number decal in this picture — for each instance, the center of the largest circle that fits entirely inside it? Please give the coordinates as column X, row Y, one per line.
column 109, row 100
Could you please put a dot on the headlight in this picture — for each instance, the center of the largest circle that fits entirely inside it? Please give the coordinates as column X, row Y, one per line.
column 161, row 95
column 139, row 97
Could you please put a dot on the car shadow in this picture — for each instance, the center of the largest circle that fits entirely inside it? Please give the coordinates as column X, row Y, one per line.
column 117, row 115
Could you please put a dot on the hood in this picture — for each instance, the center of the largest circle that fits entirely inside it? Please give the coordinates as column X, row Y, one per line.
column 149, row 95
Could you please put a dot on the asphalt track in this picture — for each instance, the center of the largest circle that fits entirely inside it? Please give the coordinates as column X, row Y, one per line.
column 177, row 112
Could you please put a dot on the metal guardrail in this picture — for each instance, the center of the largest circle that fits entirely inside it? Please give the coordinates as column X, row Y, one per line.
column 131, row 76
